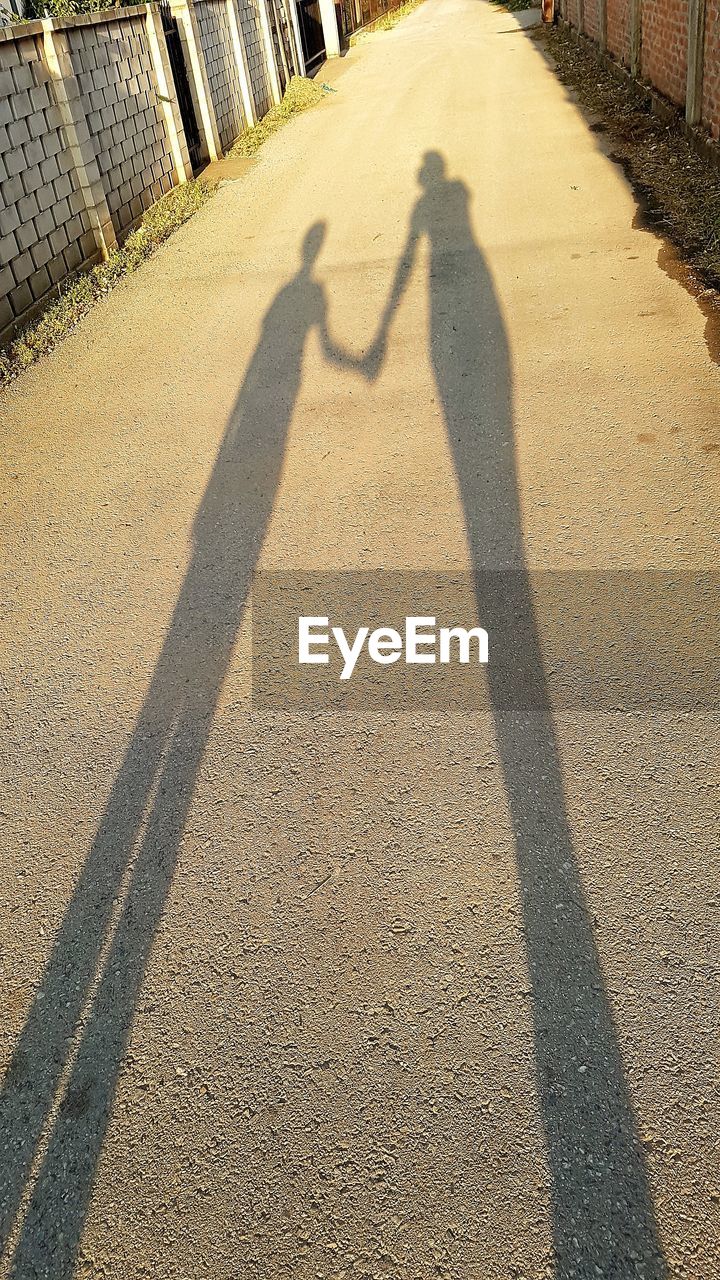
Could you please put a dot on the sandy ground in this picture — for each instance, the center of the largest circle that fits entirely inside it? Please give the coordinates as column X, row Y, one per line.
column 405, row 995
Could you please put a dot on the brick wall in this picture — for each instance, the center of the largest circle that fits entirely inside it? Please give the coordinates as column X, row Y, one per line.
column 46, row 232
column 252, row 34
column 591, row 14
column 618, row 30
column 114, row 71
column 222, row 71
column 92, row 132
column 570, row 10
column 663, row 47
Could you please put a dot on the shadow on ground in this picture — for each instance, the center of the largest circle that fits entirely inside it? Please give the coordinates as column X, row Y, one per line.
column 93, row 976
column 603, row 1220
column 602, row 1215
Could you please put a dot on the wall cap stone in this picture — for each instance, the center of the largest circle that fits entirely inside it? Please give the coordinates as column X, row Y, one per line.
column 22, row 30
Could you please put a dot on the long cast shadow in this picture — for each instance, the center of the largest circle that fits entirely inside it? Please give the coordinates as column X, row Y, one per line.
column 603, row 1219
column 68, row 1055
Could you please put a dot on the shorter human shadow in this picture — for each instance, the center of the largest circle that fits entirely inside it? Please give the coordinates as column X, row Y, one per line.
column 63, row 1073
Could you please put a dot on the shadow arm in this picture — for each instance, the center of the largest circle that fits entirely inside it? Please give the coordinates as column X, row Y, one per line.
column 376, row 353
column 403, row 273
column 335, row 354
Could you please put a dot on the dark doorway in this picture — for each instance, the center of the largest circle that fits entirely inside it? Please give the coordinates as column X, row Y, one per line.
column 182, row 85
column 311, row 33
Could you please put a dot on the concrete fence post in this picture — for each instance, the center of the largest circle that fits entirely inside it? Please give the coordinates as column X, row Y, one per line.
column 69, row 103
column 696, row 59
column 166, row 94
column 242, row 64
column 184, row 13
column 328, row 17
column 635, row 37
column 270, row 58
column 602, row 24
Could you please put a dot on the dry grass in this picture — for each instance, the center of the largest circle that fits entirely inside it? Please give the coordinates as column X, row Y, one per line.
column 300, row 95
column 80, row 295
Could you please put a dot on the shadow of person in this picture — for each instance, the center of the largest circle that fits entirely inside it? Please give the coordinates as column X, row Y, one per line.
column 602, row 1213
column 68, row 1054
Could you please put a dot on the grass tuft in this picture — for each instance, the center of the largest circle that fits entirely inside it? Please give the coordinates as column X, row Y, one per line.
column 81, row 294
column 300, row 95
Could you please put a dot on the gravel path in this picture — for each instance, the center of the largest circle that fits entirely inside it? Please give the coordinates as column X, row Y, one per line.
column 334, row 997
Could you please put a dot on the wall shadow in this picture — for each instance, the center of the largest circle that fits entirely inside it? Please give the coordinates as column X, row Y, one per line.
column 603, row 1218
column 64, row 1069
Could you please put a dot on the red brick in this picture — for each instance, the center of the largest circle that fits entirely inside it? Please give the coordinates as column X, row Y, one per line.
column 664, row 46
column 618, row 30
column 592, row 19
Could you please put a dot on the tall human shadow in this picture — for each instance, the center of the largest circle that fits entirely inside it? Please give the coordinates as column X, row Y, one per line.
column 69, row 1052
column 602, row 1213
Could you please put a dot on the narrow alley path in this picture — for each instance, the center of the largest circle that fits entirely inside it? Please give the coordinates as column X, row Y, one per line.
column 333, row 997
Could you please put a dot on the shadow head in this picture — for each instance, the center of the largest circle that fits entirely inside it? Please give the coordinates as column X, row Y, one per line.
column 312, row 244
column 432, row 169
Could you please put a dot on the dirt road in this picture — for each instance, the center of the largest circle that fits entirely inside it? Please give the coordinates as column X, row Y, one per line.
column 422, row 994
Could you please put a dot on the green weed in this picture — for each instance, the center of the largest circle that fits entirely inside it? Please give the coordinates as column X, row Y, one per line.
column 79, row 296
column 300, row 94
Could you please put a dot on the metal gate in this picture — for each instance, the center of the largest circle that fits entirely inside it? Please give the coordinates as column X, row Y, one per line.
column 351, row 15
column 359, row 13
column 182, row 85
column 311, row 32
